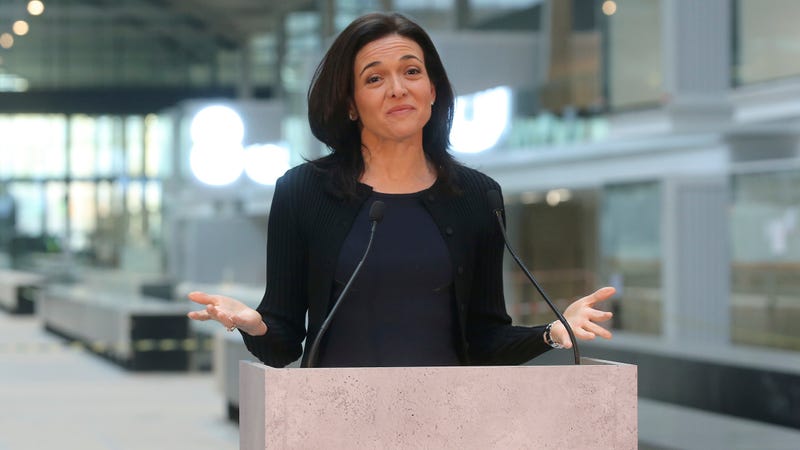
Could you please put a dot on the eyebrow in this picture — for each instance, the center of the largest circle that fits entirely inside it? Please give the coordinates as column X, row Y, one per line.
column 375, row 63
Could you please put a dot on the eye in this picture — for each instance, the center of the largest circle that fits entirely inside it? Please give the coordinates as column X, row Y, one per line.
column 373, row 79
column 414, row 71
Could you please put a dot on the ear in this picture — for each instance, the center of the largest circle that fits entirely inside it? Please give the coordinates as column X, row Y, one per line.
column 352, row 113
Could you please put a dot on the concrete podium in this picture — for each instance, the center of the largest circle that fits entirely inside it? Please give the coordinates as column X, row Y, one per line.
column 559, row 407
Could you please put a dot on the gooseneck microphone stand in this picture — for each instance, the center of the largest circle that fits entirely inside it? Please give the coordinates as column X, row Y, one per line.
column 375, row 216
column 496, row 203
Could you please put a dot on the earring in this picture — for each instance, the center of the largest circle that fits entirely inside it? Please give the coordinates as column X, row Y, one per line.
column 352, row 116
column 432, row 102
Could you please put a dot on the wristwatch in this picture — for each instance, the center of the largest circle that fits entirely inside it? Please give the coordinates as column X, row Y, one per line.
column 548, row 338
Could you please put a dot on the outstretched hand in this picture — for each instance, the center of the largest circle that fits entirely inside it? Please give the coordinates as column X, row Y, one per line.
column 230, row 312
column 583, row 318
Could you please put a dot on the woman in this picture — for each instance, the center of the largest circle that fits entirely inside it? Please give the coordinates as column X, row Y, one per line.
column 430, row 292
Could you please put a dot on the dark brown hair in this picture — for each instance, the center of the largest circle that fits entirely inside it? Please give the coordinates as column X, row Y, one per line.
column 331, row 94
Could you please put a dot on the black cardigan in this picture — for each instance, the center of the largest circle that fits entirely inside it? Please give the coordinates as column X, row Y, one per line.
column 307, row 226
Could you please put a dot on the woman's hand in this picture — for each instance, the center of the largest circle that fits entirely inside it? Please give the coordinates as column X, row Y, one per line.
column 582, row 317
column 229, row 312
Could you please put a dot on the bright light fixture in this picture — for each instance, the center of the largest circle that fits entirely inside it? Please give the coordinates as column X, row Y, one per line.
column 35, row 7
column 20, row 28
column 217, row 165
column 480, row 119
column 556, row 196
column 609, row 7
column 6, row 40
column 217, row 156
column 265, row 163
column 217, row 124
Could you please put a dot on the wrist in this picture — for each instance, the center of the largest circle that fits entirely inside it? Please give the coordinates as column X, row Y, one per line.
column 261, row 329
column 548, row 336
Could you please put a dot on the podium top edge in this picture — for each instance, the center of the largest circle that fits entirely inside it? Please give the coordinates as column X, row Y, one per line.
column 584, row 362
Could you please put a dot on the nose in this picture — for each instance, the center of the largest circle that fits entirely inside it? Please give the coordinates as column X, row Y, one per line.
column 397, row 87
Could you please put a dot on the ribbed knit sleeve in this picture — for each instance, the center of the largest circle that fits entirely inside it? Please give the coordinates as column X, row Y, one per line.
column 491, row 337
column 283, row 307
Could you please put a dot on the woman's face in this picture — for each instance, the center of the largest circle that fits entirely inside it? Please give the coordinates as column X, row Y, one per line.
column 392, row 92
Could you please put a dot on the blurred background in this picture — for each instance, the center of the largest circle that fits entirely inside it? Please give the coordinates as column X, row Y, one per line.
column 650, row 145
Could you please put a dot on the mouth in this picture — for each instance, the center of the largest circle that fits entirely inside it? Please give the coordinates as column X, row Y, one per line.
column 400, row 109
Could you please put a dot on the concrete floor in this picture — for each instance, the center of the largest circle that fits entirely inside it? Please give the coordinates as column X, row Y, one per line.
column 56, row 397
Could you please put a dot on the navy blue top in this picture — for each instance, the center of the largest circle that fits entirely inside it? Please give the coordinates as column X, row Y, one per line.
column 399, row 310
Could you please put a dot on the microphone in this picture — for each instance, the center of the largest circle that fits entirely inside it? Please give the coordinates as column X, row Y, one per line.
column 375, row 216
column 496, row 204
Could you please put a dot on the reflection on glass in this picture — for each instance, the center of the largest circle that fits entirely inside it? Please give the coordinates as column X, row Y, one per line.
column 630, row 252
column 765, row 268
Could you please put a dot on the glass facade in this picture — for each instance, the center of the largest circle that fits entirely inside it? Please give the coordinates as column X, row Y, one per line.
column 765, row 266
column 90, row 184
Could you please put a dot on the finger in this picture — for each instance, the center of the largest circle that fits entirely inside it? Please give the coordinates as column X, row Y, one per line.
column 199, row 315
column 597, row 330
column 202, row 298
column 583, row 335
column 577, row 330
column 595, row 315
column 600, row 295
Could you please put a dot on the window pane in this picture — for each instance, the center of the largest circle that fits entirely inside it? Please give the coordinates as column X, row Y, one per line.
column 765, row 237
column 134, row 136
column 56, row 208
column 104, row 150
column 631, row 255
column 82, row 154
column 634, row 54
column 32, row 145
column 29, row 210
column 154, row 155
column 557, row 235
column 767, row 35
column 82, row 214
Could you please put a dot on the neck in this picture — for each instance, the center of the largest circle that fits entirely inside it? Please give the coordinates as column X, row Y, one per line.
column 397, row 167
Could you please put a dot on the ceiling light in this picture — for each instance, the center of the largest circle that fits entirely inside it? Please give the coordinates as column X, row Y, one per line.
column 35, row 7
column 6, row 40
column 609, row 7
column 20, row 27
column 556, row 196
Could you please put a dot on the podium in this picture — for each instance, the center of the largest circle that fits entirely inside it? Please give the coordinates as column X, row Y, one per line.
column 591, row 406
